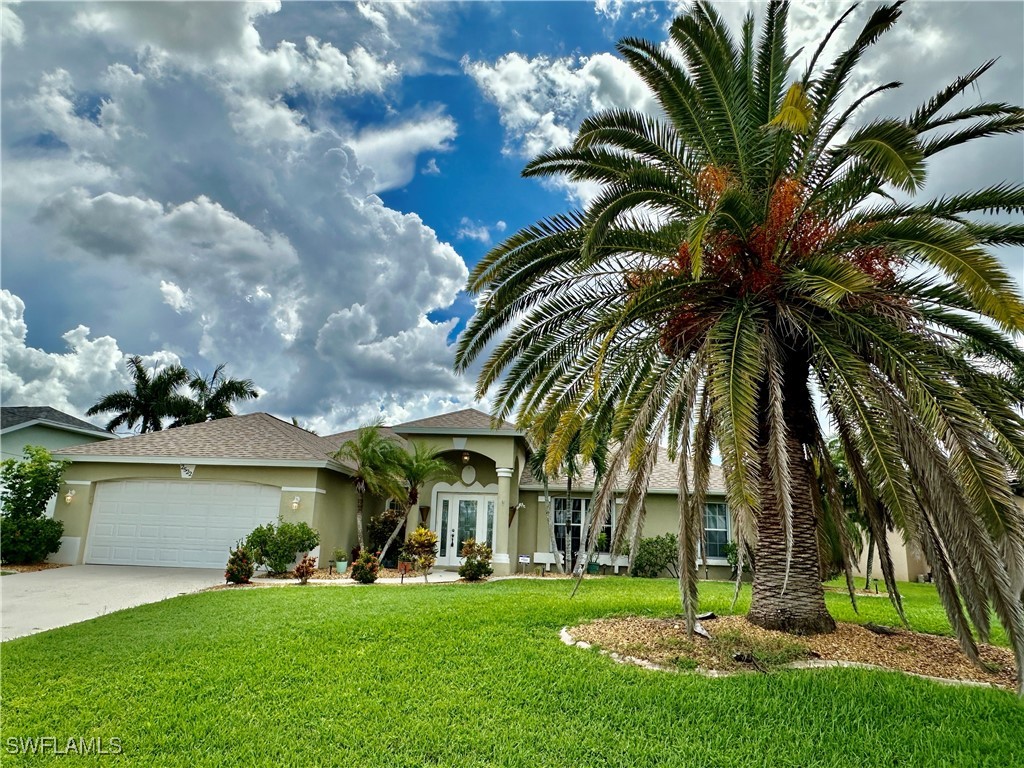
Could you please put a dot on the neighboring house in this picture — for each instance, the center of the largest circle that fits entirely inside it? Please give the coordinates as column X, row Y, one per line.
column 184, row 496
column 45, row 426
column 22, row 425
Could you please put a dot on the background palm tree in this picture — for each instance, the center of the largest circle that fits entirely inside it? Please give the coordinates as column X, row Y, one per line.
column 536, row 463
column 154, row 397
column 417, row 467
column 378, row 465
column 214, row 397
column 747, row 251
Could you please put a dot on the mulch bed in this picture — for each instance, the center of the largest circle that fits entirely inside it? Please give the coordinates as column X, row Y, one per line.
column 664, row 643
column 32, row 568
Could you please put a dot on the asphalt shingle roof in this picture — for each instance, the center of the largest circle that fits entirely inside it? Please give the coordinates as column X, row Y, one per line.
column 470, row 418
column 257, row 436
column 664, row 477
column 12, row 415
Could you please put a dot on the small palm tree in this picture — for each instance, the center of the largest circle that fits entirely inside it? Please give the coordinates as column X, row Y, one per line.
column 378, row 465
column 418, row 467
column 536, row 462
column 213, row 397
column 745, row 263
column 154, row 397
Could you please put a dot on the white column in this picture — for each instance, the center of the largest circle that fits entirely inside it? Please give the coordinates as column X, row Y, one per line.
column 502, row 560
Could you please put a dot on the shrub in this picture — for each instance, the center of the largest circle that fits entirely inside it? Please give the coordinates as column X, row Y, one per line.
column 476, row 563
column 654, row 555
column 276, row 547
column 305, row 569
column 422, row 546
column 240, row 566
column 365, row 567
column 28, row 540
column 380, row 525
column 732, row 556
column 26, row 534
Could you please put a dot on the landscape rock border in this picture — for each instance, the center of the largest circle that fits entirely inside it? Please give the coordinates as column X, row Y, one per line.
column 568, row 639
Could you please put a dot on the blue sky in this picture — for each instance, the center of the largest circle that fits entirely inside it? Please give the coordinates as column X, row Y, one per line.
column 299, row 190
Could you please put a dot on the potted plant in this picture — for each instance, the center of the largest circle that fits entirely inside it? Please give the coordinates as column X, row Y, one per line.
column 341, row 560
column 405, row 560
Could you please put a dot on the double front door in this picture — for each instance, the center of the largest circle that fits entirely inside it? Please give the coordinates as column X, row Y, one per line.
column 459, row 516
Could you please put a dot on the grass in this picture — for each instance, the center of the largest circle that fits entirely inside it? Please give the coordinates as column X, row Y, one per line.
column 462, row 675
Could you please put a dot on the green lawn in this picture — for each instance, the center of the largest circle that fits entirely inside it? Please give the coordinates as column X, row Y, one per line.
column 468, row 675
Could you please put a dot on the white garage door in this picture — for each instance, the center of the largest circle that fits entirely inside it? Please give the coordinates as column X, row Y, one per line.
column 183, row 523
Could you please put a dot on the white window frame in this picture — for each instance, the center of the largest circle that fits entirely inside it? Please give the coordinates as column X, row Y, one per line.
column 585, row 520
column 727, row 529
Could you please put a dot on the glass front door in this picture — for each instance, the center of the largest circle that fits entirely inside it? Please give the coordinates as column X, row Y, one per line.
column 458, row 517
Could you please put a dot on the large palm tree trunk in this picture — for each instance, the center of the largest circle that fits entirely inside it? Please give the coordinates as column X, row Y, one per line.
column 793, row 601
column 800, row 608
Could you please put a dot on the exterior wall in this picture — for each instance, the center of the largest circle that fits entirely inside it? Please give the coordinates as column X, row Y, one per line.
column 335, row 515
column 82, row 477
column 12, row 445
column 907, row 563
column 662, row 517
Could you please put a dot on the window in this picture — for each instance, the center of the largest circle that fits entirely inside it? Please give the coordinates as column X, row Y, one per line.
column 572, row 528
column 569, row 526
column 716, row 529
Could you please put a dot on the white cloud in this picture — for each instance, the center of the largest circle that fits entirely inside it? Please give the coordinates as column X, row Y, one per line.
column 471, row 230
column 177, row 299
column 541, row 101
column 12, row 31
column 392, row 151
column 431, row 168
column 222, row 219
column 70, row 381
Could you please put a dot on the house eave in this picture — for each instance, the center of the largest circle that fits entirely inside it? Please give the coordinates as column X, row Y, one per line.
column 589, row 489
column 204, row 461
column 458, row 432
column 98, row 433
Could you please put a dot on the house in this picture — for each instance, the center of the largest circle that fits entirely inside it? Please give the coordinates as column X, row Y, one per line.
column 45, row 426
column 23, row 425
column 184, row 496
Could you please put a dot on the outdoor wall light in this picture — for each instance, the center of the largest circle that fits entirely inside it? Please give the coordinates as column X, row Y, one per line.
column 295, row 502
column 465, row 457
column 69, row 496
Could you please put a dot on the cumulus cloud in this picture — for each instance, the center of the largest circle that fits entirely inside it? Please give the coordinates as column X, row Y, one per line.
column 70, row 381
column 392, row 151
column 195, row 180
column 177, row 299
column 541, row 101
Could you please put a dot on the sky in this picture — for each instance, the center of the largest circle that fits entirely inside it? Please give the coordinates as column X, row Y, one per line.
column 299, row 190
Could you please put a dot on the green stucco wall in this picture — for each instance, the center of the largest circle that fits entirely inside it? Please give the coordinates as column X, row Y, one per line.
column 12, row 445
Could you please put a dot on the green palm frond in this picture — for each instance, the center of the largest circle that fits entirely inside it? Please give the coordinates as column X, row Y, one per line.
column 726, row 274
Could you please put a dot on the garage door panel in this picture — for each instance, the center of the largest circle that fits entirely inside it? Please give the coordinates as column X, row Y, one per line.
column 170, row 522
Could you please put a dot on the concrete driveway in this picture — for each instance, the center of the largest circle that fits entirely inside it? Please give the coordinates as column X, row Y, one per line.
column 34, row 602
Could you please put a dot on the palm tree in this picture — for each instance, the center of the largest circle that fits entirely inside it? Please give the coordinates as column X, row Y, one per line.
column 536, row 462
column 747, row 252
column 417, row 467
column 377, row 459
column 213, row 397
column 154, row 397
